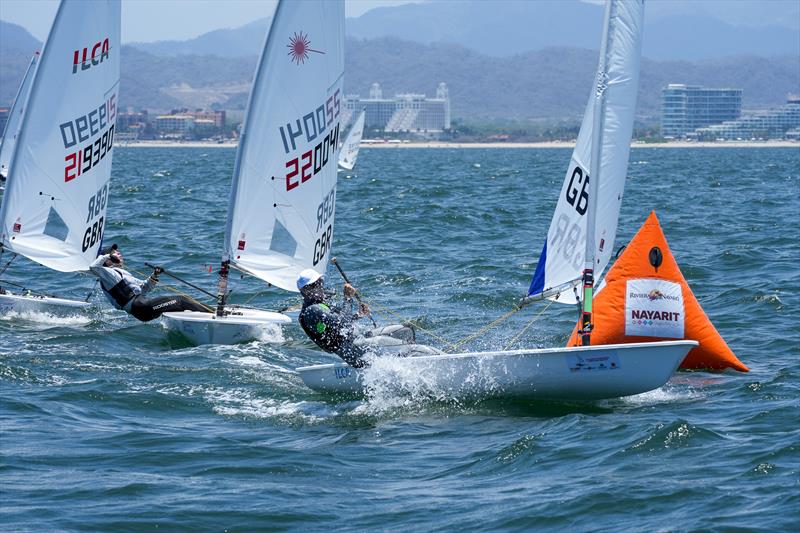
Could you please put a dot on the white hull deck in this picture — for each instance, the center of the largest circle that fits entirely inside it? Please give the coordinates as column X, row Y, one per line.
column 21, row 303
column 207, row 328
column 577, row 373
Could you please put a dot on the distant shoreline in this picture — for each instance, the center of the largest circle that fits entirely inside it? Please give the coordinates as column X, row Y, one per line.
column 455, row 145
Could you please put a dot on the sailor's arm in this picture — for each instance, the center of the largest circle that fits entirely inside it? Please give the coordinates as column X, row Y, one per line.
column 349, row 295
column 151, row 282
column 108, row 276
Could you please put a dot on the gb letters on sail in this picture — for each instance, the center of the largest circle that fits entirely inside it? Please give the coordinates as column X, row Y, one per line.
column 54, row 207
column 281, row 210
column 561, row 262
column 15, row 117
column 349, row 154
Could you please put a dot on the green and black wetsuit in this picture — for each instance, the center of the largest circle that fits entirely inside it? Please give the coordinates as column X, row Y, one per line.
column 331, row 328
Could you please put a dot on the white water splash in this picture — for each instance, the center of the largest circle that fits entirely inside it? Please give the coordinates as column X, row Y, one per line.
column 404, row 382
column 48, row 319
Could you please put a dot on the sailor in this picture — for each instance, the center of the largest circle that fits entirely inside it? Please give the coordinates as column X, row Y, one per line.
column 331, row 327
column 128, row 293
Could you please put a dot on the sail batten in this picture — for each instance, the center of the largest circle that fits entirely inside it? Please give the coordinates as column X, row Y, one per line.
column 605, row 133
column 281, row 208
column 54, row 208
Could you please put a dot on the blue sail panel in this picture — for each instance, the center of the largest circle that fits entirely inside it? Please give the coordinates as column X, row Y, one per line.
column 537, row 283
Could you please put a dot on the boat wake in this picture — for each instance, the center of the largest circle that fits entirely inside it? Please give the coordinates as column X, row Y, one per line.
column 47, row 319
column 669, row 393
column 245, row 403
column 393, row 383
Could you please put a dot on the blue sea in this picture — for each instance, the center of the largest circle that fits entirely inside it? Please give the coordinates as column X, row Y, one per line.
column 108, row 424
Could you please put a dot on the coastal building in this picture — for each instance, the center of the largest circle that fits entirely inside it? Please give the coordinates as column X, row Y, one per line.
column 777, row 123
column 174, row 124
column 411, row 113
column 127, row 120
column 182, row 123
column 685, row 108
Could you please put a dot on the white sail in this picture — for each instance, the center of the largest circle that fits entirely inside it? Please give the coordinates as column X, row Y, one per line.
column 281, row 209
column 54, row 207
column 15, row 117
column 561, row 262
column 349, row 153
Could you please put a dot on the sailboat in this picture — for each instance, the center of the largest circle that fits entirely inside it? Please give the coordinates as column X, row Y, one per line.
column 54, row 208
column 579, row 244
column 15, row 118
column 283, row 194
column 349, row 153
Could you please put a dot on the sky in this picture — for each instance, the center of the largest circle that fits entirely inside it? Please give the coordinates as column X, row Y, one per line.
column 155, row 20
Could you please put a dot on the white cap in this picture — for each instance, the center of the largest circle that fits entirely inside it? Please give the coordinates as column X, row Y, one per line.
column 307, row 277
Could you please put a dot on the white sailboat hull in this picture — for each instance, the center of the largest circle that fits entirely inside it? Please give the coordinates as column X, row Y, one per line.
column 578, row 373
column 20, row 303
column 207, row 328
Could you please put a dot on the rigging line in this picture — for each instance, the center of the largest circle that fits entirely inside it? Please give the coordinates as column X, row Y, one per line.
column 173, row 289
column 412, row 322
column 94, row 288
column 527, row 326
column 489, row 326
column 253, row 297
column 5, row 267
column 24, row 288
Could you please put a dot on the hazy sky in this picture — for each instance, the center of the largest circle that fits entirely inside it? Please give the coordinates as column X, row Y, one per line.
column 155, row 20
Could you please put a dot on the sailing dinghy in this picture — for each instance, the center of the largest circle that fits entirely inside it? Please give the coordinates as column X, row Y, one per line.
column 15, row 118
column 349, row 153
column 282, row 201
column 54, row 208
column 587, row 212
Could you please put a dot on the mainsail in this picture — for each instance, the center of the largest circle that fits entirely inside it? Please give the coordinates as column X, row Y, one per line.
column 54, row 207
column 561, row 262
column 281, row 209
column 15, row 117
column 349, row 153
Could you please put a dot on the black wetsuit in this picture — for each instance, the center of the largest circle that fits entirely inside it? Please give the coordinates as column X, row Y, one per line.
column 331, row 328
column 127, row 293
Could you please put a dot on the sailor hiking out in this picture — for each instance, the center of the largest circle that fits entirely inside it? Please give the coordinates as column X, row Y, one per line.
column 128, row 293
column 331, row 327
column 334, row 328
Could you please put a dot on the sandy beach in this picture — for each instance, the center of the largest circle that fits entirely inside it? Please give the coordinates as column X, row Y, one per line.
column 456, row 145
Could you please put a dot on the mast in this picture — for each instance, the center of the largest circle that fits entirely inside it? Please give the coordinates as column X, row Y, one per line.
column 222, row 284
column 594, row 182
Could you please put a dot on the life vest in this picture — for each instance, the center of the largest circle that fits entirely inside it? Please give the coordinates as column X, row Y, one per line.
column 313, row 321
column 121, row 292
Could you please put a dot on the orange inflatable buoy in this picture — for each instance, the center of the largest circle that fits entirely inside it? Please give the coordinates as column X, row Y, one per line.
column 646, row 298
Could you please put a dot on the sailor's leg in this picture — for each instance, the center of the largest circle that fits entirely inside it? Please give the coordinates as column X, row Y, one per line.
column 352, row 355
column 146, row 309
column 400, row 332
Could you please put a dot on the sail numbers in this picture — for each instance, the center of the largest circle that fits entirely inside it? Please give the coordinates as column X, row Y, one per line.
column 579, row 199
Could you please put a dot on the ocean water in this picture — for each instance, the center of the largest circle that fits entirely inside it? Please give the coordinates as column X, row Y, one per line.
column 109, row 424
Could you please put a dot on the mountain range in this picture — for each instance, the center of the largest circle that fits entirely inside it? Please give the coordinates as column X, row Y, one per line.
column 528, row 81
column 503, row 28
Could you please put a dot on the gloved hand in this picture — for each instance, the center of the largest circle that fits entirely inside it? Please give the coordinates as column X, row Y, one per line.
column 349, row 290
column 156, row 271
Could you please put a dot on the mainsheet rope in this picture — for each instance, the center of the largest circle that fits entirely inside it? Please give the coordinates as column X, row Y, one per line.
column 173, row 289
column 452, row 346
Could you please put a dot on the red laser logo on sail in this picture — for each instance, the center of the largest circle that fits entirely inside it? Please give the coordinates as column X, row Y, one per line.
column 299, row 46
